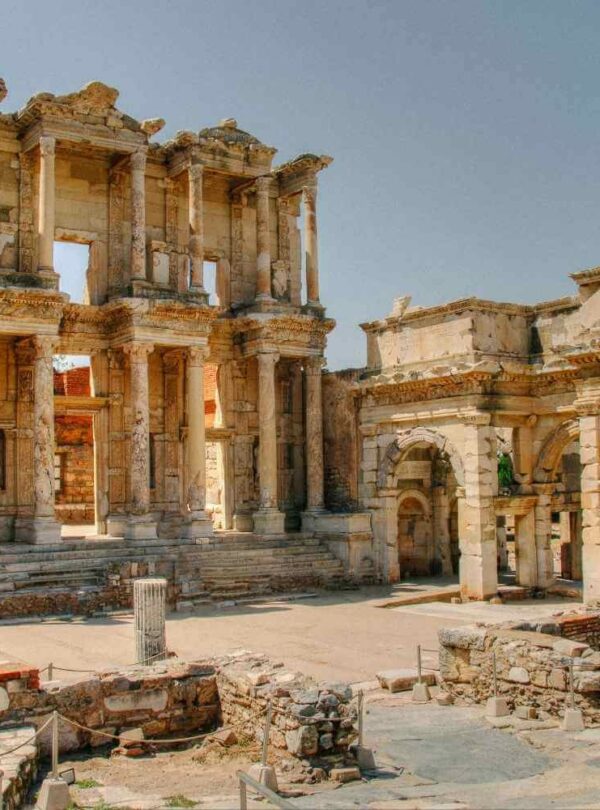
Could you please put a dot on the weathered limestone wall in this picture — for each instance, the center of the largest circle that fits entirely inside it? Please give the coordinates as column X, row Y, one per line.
column 532, row 663
column 309, row 719
column 180, row 698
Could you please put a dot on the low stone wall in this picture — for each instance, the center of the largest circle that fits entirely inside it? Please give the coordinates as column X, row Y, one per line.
column 169, row 697
column 532, row 662
column 180, row 698
column 308, row 719
column 19, row 768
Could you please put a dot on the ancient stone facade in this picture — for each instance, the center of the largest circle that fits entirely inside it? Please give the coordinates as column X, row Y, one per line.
column 467, row 416
column 157, row 218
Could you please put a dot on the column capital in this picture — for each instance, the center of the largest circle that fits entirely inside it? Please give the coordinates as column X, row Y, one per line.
column 44, row 346
column 138, row 160
column 313, row 365
column 47, row 145
column 268, row 357
column 309, row 192
column 197, row 355
column 138, row 352
column 263, row 183
column 195, row 170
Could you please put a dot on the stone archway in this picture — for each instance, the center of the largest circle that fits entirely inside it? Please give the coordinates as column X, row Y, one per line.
column 407, row 439
column 549, row 456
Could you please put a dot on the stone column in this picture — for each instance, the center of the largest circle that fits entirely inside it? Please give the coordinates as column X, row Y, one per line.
column 268, row 519
column 196, row 246
column 224, row 418
column 575, row 526
column 199, row 525
column 43, row 528
column 263, row 241
column 501, row 540
column 138, row 216
column 149, row 606
column 477, row 519
column 141, row 523
column 543, row 534
column 589, row 442
column 309, row 196
column 526, row 550
column 46, row 205
column 314, row 434
column 100, row 387
column 441, row 528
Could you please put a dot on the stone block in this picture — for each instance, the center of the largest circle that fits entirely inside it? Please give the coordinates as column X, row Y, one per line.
column 303, row 741
column 54, row 795
column 526, row 712
column 573, row 649
column 496, row 707
column 152, row 699
column 518, row 675
column 467, row 637
column 264, row 775
column 420, row 693
column 573, row 720
column 343, row 775
column 402, row 680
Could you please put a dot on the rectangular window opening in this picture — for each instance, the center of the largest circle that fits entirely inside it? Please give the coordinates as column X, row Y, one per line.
column 71, row 261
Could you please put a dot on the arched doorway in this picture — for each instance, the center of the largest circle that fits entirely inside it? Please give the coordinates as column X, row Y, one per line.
column 415, row 536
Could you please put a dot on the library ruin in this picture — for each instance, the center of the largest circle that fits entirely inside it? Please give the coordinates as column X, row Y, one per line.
column 207, row 443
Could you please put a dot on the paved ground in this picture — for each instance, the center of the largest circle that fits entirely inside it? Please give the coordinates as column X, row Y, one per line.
column 450, row 757
column 343, row 635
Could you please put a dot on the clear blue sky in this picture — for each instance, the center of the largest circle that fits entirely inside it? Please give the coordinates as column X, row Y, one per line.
column 465, row 134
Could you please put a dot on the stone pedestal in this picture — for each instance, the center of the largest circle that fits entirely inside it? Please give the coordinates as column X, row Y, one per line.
column 149, row 606
column 54, row 795
column 496, row 707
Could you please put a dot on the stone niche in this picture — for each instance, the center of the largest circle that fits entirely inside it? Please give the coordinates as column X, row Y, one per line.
column 532, row 662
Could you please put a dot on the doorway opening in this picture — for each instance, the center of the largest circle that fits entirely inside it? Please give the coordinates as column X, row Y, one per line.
column 74, row 477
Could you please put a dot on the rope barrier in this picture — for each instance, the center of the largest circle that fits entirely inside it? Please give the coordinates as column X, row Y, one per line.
column 163, row 655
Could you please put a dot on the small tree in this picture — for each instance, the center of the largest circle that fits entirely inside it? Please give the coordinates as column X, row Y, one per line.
column 505, row 471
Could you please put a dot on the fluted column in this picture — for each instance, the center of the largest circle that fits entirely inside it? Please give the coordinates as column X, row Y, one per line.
column 268, row 519
column 141, row 524
column 138, row 216
column 199, row 524
column 196, row 245
column 309, row 196
column 314, row 433
column 263, row 241
column 46, row 204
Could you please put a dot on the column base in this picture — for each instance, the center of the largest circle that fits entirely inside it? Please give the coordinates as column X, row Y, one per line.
column 116, row 525
column 311, row 520
column 269, row 521
column 140, row 527
column 37, row 531
column 197, row 526
column 243, row 522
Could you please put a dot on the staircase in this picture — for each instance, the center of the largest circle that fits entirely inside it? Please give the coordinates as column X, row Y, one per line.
column 98, row 572
column 237, row 566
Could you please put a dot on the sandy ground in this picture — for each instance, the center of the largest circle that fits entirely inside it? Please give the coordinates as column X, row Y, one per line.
column 344, row 635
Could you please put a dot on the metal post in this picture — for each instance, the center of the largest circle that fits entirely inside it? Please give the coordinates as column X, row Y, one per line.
column 572, row 683
column 265, row 745
column 243, row 795
column 419, row 663
column 55, row 744
column 495, row 674
column 360, row 718
column 50, row 671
